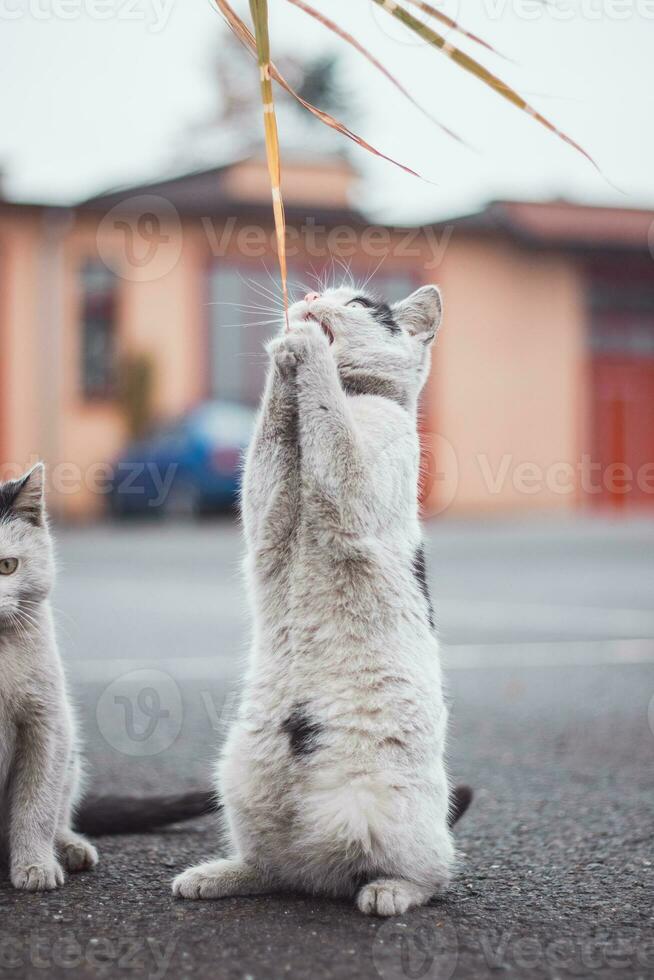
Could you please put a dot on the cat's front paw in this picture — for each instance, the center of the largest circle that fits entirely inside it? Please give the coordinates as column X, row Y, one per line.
column 42, row 876
column 390, row 896
column 198, row 882
column 296, row 345
column 283, row 357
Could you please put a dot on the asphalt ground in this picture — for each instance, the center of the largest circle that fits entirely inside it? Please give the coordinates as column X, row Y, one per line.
column 549, row 658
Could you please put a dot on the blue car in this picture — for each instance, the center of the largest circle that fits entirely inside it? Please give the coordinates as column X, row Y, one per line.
column 191, row 466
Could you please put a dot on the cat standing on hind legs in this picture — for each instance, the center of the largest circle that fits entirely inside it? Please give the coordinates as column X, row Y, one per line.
column 332, row 777
column 39, row 765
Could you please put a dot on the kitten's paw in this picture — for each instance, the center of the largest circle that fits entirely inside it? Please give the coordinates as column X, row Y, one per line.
column 304, row 336
column 218, row 879
column 195, row 883
column 390, row 897
column 203, row 881
column 43, row 876
column 76, row 853
column 296, row 345
column 283, row 356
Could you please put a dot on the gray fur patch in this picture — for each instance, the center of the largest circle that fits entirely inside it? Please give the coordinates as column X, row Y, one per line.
column 360, row 383
column 22, row 498
column 380, row 310
column 420, row 573
column 8, row 493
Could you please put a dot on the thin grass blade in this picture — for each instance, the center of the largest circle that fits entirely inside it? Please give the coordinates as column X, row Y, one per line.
column 351, row 40
column 244, row 34
column 259, row 12
column 479, row 71
column 431, row 11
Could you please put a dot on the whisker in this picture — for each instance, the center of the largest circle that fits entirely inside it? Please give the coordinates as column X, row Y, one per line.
column 262, row 289
column 374, row 271
column 244, row 326
column 276, row 285
column 312, row 274
column 320, row 281
column 20, row 629
column 240, row 306
column 347, row 269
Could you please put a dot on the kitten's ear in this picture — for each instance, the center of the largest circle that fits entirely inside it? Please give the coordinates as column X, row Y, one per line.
column 28, row 496
column 421, row 313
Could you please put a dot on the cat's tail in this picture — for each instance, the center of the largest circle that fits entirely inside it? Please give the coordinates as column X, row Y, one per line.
column 135, row 815
column 460, row 800
column 99, row 815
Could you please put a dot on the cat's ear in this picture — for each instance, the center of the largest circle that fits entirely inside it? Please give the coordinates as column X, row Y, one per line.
column 27, row 496
column 421, row 313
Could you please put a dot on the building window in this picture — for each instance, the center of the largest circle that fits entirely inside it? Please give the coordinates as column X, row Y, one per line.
column 98, row 328
column 621, row 307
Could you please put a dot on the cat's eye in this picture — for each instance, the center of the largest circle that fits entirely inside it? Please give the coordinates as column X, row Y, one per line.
column 8, row 566
column 361, row 303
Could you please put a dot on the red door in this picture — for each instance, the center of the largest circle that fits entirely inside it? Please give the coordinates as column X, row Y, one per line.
column 623, row 431
column 621, row 338
column 4, row 365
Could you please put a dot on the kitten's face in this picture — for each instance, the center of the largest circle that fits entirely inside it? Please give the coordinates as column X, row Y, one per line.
column 26, row 559
column 369, row 338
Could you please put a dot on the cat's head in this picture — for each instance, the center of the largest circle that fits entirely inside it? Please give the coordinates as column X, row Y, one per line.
column 26, row 558
column 379, row 348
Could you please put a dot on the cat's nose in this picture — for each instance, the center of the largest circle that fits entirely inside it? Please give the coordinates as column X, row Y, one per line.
column 310, row 297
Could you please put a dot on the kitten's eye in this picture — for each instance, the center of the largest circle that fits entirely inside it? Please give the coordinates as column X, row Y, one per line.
column 8, row 566
column 355, row 304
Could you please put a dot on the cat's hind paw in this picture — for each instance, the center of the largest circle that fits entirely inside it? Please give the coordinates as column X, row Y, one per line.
column 76, row 853
column 390, row 896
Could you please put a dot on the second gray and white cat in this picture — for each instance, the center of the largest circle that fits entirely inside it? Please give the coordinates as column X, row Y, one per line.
column 41, row 802
column 333, row 779
column 40, row 774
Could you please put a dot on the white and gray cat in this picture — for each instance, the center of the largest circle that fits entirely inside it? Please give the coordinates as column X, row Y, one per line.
column 39, row 762
column 332, row 778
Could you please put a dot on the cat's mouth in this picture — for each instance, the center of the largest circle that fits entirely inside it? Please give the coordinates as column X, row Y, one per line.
column 323, row 326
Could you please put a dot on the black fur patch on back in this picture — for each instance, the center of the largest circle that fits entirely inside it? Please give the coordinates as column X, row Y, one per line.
column 302, row 731
column 420, row 572
column 8, row 493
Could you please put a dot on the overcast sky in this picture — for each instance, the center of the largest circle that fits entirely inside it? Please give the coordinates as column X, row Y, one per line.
column 97, row 92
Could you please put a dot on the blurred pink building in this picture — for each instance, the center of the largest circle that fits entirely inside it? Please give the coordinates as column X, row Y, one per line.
column 542, row 390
